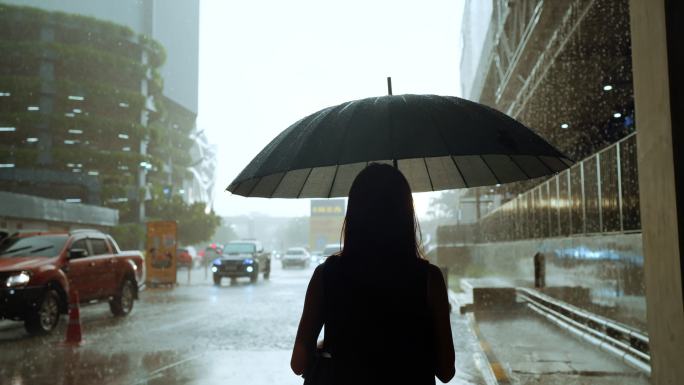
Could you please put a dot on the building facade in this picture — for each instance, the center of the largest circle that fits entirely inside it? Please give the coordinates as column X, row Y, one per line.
column 155, row 149
column 564, row 69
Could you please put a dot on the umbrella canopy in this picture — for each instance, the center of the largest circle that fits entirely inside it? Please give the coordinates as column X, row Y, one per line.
column 437, row 142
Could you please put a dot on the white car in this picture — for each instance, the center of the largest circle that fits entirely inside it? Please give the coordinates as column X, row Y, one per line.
column 296, row 256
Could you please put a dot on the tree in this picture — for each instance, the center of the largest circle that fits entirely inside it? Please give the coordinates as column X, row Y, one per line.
column 446, row 205
column 195, row 223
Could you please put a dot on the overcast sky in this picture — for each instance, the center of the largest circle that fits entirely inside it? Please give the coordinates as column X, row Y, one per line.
column 266, row 64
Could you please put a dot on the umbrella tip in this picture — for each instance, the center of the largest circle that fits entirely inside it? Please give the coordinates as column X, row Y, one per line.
column 389, row 85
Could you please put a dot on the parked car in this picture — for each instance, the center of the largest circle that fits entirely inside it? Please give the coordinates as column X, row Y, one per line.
column 38, row 271
column 296, row 256
column 187, row 256
column 245, row 258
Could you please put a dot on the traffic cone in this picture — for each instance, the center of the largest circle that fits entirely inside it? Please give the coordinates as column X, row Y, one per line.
column 73, row 334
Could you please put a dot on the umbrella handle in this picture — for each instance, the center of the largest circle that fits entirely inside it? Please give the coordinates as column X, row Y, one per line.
column 389, row 85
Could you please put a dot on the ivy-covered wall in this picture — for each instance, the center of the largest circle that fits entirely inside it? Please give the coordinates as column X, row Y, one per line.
column 80, row 95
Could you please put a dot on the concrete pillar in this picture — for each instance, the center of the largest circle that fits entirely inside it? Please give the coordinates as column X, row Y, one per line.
column 658, row 109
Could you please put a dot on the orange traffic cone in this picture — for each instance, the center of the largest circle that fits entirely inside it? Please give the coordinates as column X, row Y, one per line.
column 73, row 334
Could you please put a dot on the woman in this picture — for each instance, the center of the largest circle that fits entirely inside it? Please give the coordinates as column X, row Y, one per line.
column 385, row 308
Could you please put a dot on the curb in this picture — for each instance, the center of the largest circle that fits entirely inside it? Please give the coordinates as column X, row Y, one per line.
column 489, row 366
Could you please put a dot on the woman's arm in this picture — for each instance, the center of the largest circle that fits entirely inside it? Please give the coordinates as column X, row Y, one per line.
column 310, row 324
column 444, row 344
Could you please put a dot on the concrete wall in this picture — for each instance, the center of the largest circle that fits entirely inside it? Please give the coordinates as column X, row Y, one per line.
column 658, row 102
column 176, row 26
column 24, row 212
column 609, row 266
column 475, row 33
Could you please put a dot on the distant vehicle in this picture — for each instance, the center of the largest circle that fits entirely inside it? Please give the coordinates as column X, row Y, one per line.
column 38, row 270
column 186, row 256
column 211, row 252
column 296, row 256
column 316, row 257
column 330, row 249
column 244, row 258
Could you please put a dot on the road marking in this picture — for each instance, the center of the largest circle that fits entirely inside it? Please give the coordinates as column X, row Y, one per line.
column 157, row 373
column 498, row 370
column 496, row 375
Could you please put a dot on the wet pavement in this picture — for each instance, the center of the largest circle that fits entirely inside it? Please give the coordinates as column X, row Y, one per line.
column 523, row 348
column 191, row 334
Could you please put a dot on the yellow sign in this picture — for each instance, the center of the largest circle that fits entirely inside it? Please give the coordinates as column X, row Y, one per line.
column 160, row 252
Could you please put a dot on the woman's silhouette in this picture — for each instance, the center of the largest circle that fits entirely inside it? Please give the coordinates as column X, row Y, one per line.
column 385, row 308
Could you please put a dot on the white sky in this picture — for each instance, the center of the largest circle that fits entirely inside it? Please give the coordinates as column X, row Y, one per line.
column 264, row 64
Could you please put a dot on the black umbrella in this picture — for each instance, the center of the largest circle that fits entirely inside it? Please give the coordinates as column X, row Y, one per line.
column 438, row 143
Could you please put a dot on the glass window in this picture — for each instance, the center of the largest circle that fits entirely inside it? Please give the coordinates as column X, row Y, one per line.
column 236, row 248
column 576, row 200
column 98, row 246
column 564, row 203
column 554, row 225
column 631, row 215
column 81, row 244
column 37, row 246
column 591, row 196
column 610, row 209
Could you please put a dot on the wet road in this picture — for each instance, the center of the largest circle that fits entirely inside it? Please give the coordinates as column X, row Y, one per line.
column 192, row 334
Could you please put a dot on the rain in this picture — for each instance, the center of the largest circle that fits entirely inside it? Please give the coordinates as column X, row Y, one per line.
column 213, row 192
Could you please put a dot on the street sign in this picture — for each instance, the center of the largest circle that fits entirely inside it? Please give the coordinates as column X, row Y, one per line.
column 160, row 252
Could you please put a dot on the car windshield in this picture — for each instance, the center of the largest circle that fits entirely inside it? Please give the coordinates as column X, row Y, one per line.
column 237, row 248
column 35, row 246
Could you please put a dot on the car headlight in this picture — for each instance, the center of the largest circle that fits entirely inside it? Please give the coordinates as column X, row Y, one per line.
column 248, row 261
column 19, row 279
column 214, row 269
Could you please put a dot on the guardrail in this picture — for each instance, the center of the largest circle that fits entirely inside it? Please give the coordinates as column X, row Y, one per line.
column 628, row 344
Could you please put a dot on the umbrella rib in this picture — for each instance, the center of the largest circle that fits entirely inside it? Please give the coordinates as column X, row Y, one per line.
column 299, row 195
column 278, row 184
column 518, row 166
column 253, row 187
column 498, row 181
column 545, row 165
column 458, row 169
column 337, row 167
column 448, row 148
column 427, row 170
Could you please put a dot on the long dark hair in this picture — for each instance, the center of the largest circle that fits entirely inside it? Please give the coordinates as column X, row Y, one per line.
column 380, row 220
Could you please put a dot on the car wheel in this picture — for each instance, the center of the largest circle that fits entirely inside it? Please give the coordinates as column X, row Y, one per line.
column 217, row 280
column 267, row 273
column 122, row 303
column 45, row 318
column 254, row 276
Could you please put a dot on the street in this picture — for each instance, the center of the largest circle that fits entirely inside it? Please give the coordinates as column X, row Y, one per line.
column 189, row 334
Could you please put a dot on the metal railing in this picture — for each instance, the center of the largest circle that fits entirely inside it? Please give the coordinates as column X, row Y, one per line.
column 628, row 344
column 599, row 194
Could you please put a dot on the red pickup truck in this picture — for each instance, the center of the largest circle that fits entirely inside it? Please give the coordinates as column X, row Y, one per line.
column 38, row 270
